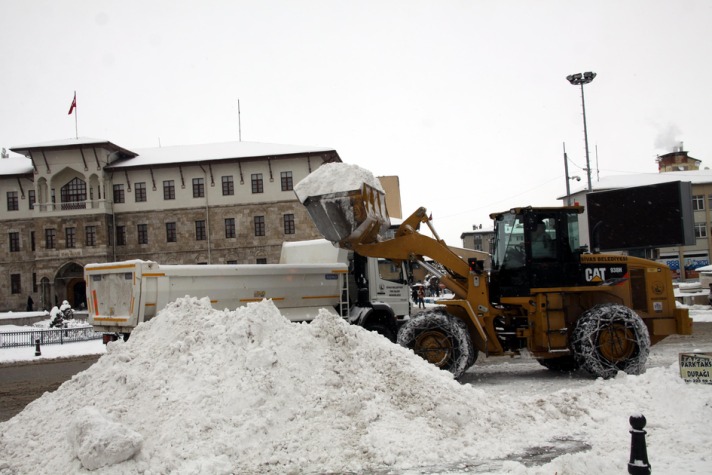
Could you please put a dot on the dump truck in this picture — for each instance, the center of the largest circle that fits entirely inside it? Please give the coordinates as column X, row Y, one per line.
column 544, row 293
column 310, row 276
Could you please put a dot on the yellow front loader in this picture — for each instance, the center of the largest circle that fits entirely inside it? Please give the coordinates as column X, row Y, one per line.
column 544, row 293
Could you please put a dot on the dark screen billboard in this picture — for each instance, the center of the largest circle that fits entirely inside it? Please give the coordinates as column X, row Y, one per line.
column 649, row 216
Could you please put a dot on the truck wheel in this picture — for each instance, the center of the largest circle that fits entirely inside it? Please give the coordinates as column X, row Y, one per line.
column 562, row 364
column 382, row 329
column 439, row 339
column 609, row 338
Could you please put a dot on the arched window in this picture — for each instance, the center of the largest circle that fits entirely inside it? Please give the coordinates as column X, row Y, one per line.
column 74, row 194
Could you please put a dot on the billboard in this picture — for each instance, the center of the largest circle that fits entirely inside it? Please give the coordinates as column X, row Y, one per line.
column 648, row 216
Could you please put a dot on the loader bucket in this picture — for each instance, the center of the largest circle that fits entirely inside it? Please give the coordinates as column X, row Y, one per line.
column 355, row 215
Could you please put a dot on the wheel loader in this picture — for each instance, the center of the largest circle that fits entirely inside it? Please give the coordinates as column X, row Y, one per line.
column 544, row 293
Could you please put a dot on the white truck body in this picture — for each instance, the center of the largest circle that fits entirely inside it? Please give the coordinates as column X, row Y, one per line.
column 311, row 275
column 121, row 295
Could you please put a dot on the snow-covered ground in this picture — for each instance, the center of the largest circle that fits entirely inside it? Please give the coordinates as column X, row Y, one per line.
column 201, row 391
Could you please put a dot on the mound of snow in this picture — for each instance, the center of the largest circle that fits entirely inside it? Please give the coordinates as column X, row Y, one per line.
column 197, row 390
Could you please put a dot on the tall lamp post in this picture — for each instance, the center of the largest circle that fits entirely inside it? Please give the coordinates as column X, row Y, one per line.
column 579, row 79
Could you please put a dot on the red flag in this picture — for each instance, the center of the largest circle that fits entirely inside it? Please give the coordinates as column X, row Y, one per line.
column 74, row 104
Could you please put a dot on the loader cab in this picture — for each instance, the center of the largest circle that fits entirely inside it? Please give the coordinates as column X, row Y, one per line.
column 534, row 248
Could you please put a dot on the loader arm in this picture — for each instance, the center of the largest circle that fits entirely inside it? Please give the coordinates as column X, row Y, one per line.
column 409, row 245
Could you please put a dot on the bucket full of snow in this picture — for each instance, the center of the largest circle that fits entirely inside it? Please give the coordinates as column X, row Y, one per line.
column 346, row 203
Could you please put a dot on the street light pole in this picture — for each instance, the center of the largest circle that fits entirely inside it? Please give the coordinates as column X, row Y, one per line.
column 580, row 79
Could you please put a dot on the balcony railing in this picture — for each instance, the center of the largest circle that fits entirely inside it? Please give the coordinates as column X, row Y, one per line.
column 74, row 206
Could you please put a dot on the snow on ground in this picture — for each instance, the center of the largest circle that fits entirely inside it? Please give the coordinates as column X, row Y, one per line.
column 201, row 391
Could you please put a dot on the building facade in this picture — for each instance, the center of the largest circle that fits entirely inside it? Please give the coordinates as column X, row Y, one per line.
column 79, row 201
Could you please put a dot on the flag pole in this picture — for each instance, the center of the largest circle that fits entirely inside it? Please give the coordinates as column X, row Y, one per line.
column 76, row 113
column 239, row 124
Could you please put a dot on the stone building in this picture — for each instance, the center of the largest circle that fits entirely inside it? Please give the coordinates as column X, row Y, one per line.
column 79, row 201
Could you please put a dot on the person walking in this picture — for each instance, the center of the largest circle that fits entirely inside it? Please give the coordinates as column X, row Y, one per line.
column 421, row 297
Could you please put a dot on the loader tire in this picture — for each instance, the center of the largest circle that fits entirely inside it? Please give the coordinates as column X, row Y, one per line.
column 609, row 338
column 439, row 339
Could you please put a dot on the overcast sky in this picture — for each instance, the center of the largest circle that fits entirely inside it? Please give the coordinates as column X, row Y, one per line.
column 466, row 101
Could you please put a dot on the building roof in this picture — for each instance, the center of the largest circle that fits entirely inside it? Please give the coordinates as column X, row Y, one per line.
column 214, row 151
column 65, row 144
column 15, row 165
column 160, row 155
column 696, row 177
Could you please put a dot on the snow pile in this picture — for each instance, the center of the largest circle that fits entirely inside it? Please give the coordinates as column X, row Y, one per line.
column 198, row 390
column 335, row 178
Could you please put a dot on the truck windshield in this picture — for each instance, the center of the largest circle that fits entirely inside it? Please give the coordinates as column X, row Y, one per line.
column 509, row 242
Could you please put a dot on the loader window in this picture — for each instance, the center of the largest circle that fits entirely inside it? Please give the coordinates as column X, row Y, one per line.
column 509, row 250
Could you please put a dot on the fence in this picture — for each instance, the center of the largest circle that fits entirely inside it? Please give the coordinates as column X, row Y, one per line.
column 58, row 336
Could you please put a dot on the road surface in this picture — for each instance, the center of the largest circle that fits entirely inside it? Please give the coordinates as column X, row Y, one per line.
column 22, row 383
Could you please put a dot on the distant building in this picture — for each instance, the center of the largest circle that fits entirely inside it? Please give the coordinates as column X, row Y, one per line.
column 480, row 238
column 78, row 201
column 674, row 166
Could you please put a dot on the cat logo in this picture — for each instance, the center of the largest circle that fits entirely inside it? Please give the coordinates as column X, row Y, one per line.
column 595, row 274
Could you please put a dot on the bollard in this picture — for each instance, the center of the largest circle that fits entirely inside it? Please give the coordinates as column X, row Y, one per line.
column 638, row 464
column 37, row 347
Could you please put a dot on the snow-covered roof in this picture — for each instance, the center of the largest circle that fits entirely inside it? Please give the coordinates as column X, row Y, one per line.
column 214, row 151
column 15, row 165
column 628, row 181
column 61, row 143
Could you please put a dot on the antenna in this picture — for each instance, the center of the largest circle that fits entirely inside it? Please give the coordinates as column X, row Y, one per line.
column 239, row 124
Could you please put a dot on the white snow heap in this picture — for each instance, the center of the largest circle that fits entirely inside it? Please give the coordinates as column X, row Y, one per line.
column 202, row 391
column 97, row 441
column 335, row 178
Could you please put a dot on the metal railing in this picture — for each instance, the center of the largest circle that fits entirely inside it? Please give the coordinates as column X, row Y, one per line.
column 54, row 336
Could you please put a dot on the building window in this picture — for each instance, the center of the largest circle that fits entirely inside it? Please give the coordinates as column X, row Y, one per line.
column 70, row 236
column 142, row 233
column 90, row 233
column 231, row 262
column 700, row 230
column 140, row 192
column 32, row 240
column 698, row 203
column 288, row 224
column 15, row 284
column 119, row 194
column 259, row 225
column 50, row 238
column 14, row 239
column 228, row 186
column 120, row 235
column 171, row 232
column 73, row 194
column 169, row 190
column 287, row 182
column 257, row 183
column 229, row 228
column 261, row 260
column 198, row 187
column 200, row 230
column 32, row 198
column 12, row 203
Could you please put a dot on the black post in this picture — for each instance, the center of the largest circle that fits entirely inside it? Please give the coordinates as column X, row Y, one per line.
column 638, row 464
column 37, row 347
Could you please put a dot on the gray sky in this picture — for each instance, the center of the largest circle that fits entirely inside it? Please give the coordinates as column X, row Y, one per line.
column 466, row 101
